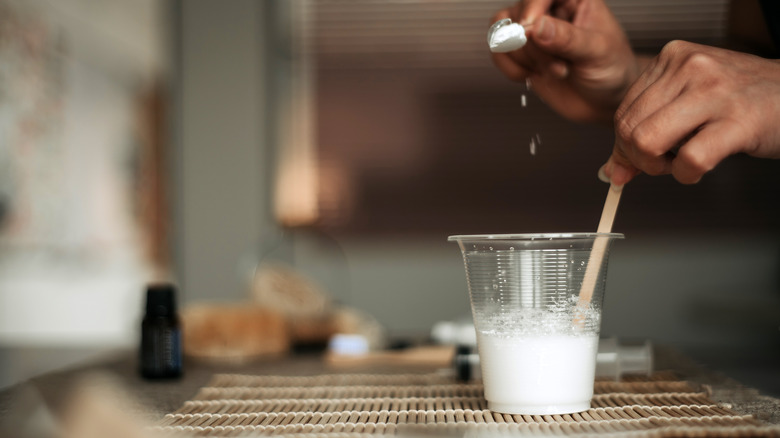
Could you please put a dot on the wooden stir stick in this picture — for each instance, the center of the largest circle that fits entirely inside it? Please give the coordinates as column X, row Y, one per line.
column 597, row 254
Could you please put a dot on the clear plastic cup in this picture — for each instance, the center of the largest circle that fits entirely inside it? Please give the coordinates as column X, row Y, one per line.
column 537, row 342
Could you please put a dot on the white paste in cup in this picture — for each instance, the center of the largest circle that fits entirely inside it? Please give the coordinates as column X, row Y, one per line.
column 538, row 374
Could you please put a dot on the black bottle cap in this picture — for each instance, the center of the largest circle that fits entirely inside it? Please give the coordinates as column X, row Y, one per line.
column 160, row 300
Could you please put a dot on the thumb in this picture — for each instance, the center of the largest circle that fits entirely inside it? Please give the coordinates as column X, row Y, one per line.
column 618, row 170
column 566, row 40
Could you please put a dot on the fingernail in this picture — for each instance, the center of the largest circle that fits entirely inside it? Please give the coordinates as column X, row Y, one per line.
column 603, row 174
column 544, row 30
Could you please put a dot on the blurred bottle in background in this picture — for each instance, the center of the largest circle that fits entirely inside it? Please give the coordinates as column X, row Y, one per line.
column 161, row 352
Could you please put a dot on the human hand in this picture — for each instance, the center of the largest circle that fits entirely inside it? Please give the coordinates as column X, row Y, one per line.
column 691, row 108
column 577, row 57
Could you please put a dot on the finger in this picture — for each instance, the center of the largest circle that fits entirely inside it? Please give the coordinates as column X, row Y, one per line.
column 652, row 73
column 659, row 67
column 516, row 11
column 708, row 147
column 635, row 139
column 671, row 125
column 509, row 67
column 650, row 164
column 532, row 10
column 533, row 59
column 565, row 10
column 561, row 14
column 654, row 123
column 619, row 170
column 567, row 41
column 648, row 161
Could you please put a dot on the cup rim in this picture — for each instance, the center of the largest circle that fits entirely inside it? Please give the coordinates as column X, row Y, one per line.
column 531, row 236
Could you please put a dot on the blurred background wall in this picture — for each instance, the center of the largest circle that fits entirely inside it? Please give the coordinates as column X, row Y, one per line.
column 80, row 83
column 264, row 104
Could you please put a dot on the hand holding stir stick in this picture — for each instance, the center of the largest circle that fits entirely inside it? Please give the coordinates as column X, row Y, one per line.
column 597, row 255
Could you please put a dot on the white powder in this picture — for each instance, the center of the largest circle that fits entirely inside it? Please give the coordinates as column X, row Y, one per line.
column 535, row 142
column 505, row 36
column 538, row 375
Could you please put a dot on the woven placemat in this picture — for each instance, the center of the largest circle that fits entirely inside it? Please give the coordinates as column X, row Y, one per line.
column 352, row 405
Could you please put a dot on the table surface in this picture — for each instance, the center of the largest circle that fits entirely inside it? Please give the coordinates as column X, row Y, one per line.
column 165, row 396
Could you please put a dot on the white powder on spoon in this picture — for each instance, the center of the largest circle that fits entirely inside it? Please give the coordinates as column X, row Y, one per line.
column 505, row 36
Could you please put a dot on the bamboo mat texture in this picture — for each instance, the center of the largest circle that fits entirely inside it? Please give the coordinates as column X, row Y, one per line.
column 352, row 405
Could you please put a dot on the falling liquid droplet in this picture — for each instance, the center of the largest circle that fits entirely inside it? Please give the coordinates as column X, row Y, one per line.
column 522, row 100
column 533, row 147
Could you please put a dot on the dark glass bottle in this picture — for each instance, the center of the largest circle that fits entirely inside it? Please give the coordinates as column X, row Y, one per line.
column 161, row 353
